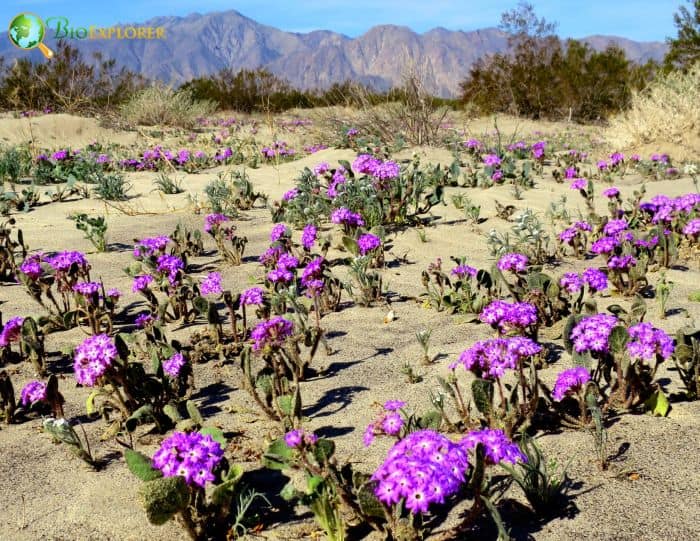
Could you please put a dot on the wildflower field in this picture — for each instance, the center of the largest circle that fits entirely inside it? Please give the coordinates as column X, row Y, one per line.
column 266, row 328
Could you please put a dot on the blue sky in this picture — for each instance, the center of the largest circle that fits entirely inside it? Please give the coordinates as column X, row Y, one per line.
column 643, row 20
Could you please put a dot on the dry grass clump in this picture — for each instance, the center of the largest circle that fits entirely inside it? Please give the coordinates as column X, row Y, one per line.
column 162, row 105
column 410, row 112
column 667, row 111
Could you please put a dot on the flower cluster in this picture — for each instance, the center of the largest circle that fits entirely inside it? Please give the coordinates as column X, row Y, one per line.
column 299, row 437
column 389, row 422
column 213, row 220
column 31, row 266
column 506, row 316
column 692, row 228
column 423, row 468
column 171, row 265
column 145, row 319
column 193, row 456
column 382, row 170
column 614, row 227
column 622, row 262
column 346, row 217
column 647, row 342
column 279, row 231
column 141, row 282
column 271, row 333
column 87, row 289
column 596, row 280
column 63, row 261
column 592, row 333
column 568, row 235
column 368, row 242
column 174, row 364
column 11, row 331
column 570, row 381
column 312, row 276
column 253, row 296
column 308, row 236
column 211, row 285
column 513, row 262
column 92, row 358
column 286, row 263
column 491, row 358
column 497, row 447
column 150, row 246
column 462, row 271
column 32, row 392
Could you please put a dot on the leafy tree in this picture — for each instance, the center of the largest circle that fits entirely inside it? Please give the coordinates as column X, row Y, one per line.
column 684, row 49
column 542, row 77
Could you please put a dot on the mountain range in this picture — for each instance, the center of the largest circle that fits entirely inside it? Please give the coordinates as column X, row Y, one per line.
column 199, row 45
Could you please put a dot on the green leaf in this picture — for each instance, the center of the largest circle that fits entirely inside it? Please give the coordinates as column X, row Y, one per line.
column 482, row 390
column 369, row 504
column 90, row 402
column 173, row 414
column 277, row 456
column 194, row 413
column 323, row 450
column 163, row 498
column 289, row 493
column 313, row 482
column 201, row 305
column 618, row 340
column 143, row 414
column 658, row 404
column 216, row 434
column 140, row 465
column 223, row 493
column 350, row 245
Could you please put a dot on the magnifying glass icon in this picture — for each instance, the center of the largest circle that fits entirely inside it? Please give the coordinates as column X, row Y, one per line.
column 27, row 31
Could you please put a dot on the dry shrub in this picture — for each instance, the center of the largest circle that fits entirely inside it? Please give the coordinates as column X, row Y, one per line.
column 162, row 105
column 667, row 111
column 410, row 112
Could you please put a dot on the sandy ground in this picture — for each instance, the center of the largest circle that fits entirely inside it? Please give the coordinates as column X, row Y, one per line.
column 49, row 494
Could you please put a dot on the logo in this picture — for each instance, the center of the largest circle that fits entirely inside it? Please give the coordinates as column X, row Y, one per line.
column 27, row 31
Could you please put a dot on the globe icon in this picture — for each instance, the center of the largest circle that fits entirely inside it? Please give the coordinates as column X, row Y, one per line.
column 26, row 31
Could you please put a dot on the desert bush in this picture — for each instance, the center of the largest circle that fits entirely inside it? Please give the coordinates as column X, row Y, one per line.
column 162, row 105
column 111, row 186
column 667, row 110
column 248, row 90
column 68, row 82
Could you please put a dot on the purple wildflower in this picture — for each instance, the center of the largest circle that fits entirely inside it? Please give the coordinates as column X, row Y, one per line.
column 193, row 456
column 141, row 282
column 253, row 296
column 368, row 242
column 423, row 468
column 271, row 333
column 92, row 358
column 647, row 342
column 513, row 262
column 32, row 392
column 11, row 331
column 174, row 364
column 497, row 447
column 592, row 333
column 570, row 381
column 211, row 285
column 308, row 236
